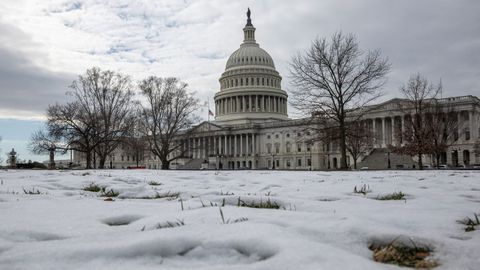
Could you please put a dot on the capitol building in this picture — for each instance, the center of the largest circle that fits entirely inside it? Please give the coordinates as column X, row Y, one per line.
column 252, row 130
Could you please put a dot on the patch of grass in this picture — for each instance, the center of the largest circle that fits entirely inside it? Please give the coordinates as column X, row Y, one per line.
column 166, row 195
column 393, row 196
column 92, row 187
column 32, row 191
column 104, row 192
column 402, row 255
column 167, row 224
column 268, row 204
column 230, row 221
column 212, row 204
column 154, row 183
column 362, row 190
column 470, row 223
column 226, row 193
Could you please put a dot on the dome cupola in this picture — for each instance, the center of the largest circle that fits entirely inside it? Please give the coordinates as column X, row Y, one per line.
column 250, row 87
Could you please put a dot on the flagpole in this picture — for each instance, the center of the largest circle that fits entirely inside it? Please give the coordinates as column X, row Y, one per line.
column 208, row 109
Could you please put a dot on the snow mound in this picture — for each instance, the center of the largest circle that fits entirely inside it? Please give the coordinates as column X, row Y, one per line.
column 121, row 220
column 29, row 236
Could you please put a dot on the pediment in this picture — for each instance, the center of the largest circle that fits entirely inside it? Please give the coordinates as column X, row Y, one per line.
column 389, row 105
column 206, row 127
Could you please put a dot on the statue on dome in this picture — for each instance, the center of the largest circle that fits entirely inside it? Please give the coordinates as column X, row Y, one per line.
column 248, row 13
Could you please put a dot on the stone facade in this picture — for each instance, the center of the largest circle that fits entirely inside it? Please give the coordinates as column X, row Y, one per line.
column 252, row 130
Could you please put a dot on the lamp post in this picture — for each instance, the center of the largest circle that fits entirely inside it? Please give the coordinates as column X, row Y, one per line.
column 273, row 161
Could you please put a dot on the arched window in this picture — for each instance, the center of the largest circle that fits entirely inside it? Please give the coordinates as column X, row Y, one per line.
column 263, row 81
column 241, row 81
column 251, row 81
column 258, row 81
column 246, row 81
column 236, row 82
column 269, row 148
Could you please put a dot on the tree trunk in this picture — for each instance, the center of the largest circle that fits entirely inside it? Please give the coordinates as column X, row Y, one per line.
column 420, row 162
column 165, row 164
column 343, row 147
column 101, row 162
column 51, row 164
column 355, row 163
column 89, row 159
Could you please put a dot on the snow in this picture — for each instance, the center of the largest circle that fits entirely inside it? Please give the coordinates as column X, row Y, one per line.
column 322, row 223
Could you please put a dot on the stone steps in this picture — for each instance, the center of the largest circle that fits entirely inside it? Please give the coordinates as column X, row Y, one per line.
column 378, row 160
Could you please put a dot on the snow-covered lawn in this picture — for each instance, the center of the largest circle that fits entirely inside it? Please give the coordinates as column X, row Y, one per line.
column 321, row 223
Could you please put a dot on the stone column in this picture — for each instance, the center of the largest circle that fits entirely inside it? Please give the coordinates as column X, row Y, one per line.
column 235, row 152
column 225, row 151
column 214, row 145
column 384, row 137
column 241, row 144
column 392, row 131
column 247, row 145
column 473, row 131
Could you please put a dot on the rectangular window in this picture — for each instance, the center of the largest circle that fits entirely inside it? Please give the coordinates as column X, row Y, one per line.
column 309, row 162
column 299, row 162
column 467, row 134
column 299, row 148
column 277, row 163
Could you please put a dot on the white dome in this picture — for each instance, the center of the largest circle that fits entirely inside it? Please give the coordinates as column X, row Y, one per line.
column 250, row 54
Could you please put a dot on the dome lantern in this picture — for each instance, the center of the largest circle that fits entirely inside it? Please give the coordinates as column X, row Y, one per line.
column 249, row 30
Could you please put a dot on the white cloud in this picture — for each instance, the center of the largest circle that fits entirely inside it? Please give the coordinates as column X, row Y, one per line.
column 193, row 39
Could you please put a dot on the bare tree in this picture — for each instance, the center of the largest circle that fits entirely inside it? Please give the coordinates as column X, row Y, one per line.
column 168, row 114
column 106, row 98
column 43, row 142
column 443, row 124
column 420, row 97
column 74, row 127
column 359, row 140
column 137, row 146
column 334, row 78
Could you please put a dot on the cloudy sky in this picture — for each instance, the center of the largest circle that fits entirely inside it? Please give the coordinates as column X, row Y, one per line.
column 45, row 44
